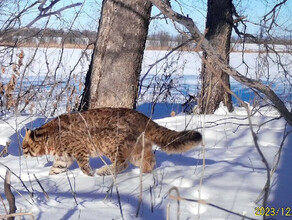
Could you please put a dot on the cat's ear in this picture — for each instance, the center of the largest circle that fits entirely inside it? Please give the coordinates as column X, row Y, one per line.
column 29, row 133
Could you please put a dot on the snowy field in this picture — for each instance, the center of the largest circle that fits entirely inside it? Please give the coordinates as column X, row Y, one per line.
column 226, row 173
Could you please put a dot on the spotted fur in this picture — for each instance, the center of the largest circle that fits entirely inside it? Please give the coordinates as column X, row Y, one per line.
column 122, row 135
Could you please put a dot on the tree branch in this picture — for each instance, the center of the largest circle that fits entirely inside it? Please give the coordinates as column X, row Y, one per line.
column 274, row 8
column 218, row 61
column 19, row 15
column 158, row 61
column 43, row 12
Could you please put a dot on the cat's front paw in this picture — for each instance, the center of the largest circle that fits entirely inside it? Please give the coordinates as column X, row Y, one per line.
column 55, row 171
column 88, row 172
column 104, row 171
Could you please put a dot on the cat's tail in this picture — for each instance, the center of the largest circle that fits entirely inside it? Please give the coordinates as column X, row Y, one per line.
column 172, row 141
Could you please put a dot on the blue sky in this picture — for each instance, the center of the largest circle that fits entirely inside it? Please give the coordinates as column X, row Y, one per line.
column 253, row 10
column 196, row 9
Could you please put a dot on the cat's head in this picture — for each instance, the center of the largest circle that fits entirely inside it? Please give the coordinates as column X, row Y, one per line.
column 30, row 146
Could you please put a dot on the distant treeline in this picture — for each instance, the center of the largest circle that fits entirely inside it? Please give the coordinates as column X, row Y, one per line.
column 47, row 36
column 160, row 40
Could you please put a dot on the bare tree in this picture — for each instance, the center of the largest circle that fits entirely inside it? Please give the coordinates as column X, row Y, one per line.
column 217, row 60
column 113, row 76
column 218, row 32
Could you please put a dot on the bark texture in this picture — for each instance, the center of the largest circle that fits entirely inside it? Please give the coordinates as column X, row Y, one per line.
column 219, row 28
column 113, row 76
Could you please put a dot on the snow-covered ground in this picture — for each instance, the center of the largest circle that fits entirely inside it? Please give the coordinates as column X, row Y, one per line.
column 226, row 171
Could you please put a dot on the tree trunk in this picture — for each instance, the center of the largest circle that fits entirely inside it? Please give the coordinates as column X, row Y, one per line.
column 219, row 28
column 113, row 76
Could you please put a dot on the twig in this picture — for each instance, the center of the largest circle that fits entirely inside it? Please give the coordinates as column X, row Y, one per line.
column 3, row 205
column 28, row 174
column 151, row 199
column 16, row 215
column 272, row 11
column 109, row 192
column 46, row 194
column 42, row 15
column 72, row 191
column 158, row 61
column 264, row 160
column 9, row 195
column 8, row 26
column 200, row 201
column 275, row 165
column 30, row 193
column 16, row 191
column 119, row 201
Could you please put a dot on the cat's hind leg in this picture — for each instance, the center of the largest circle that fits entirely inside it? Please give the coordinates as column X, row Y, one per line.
column 147, row 162
column 119, row 163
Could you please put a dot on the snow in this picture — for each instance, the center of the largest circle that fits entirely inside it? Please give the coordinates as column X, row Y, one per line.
column 226, row 171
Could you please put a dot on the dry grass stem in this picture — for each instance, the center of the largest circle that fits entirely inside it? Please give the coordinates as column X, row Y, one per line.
column 22, row 214
column 178, row 201
column 142, row 137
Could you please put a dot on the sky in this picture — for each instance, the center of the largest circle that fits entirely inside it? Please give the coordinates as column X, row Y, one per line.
column 253, row 10
column 89, row 12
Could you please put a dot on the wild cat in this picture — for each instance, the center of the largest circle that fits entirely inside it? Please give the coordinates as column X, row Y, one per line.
column 122, row 135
